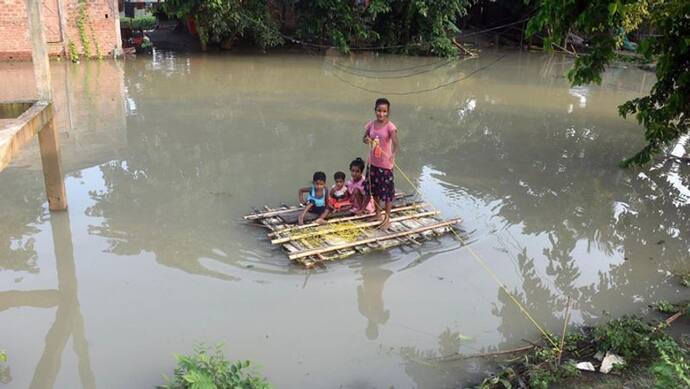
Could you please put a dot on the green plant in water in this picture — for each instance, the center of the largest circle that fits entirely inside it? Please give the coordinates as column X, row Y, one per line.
column 5, row 376
column 664, row 306
column 684, row 279
column 82, row 20
column 544, row 375
column 72, row 52
column 627, row 336
column 671, row 369
column 207, row 368
column 503, row 378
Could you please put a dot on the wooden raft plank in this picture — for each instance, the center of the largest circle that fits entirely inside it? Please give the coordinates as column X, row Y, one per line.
column 306, row 253
column 291, row 228
column 333, row 230
column 262, row 215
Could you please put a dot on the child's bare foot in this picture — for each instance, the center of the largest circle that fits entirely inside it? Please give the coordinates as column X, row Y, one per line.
column 320, row 221
column 385, row 225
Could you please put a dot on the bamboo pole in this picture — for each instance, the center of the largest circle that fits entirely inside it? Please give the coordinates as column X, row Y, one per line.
column 331, row 230
column 458, row 356
column 566, row 319
column 271, row 213
column 306, row 253
column 347, row 218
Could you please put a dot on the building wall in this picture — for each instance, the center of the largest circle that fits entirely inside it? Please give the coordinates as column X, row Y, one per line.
column 102, row 27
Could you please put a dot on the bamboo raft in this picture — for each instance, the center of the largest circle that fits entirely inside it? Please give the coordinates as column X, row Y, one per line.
column 345, row 234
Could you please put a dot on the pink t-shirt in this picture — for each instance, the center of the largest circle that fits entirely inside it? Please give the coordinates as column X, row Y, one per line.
column 384, row 135
column 357, row 187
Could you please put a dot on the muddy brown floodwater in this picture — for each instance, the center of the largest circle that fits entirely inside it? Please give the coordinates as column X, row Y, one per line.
column 164, row 155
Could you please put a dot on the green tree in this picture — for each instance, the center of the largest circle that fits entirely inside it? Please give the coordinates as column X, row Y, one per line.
column 426, row 26
column 225, row 21
column 664, row 112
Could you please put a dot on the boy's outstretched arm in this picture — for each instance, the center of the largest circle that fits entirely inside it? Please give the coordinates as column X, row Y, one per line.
column 300, row 195
column 300, row 219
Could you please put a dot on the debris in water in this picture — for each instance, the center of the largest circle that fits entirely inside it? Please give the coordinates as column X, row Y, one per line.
column 609, row 361
column 661, row 242
column 587, row 366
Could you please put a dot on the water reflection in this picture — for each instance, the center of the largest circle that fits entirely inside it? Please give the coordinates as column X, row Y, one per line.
column 370, row 297
column 21, row 213
column 177, row 149
column 68, row 318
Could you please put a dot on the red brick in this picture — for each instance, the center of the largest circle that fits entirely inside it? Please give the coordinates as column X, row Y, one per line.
column 14, row 36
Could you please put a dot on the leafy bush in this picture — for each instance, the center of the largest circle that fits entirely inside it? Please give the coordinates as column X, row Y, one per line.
column 207, row 368
column 671, row 369
column 664, row 306
column 627, row 336
column 146, row 22
column 420, row 25
column 224, row 21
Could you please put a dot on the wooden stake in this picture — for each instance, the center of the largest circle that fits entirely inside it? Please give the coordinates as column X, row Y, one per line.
column 307, row 253
column 331, row 230
column 52, row 168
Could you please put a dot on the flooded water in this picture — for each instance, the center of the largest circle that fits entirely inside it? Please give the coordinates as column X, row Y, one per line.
column 164, row 155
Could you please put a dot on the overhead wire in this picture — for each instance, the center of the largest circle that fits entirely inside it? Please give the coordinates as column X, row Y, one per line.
column 418, row 91
column 393, row 77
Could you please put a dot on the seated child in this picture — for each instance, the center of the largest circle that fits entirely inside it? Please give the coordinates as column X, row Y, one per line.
column 357, row 188
column 339, row 196
column 316, row 198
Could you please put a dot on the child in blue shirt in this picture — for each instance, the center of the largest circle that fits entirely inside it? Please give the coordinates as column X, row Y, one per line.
column 317, row 196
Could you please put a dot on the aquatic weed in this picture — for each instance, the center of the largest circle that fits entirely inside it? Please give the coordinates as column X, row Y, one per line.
column 207, row 368
column 627, row 336
column 671, row 368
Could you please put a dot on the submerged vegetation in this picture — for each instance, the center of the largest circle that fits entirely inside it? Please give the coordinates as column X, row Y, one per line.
column 638, row 342
column 207, row 368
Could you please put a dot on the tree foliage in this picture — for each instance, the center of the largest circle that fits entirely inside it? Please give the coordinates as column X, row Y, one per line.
column 664, row 112
column 224, row 21
column 418, row 25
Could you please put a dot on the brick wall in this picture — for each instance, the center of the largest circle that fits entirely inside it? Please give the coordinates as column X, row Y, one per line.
column 14, row 31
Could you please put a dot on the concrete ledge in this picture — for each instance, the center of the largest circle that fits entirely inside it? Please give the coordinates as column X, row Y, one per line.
column 18, row 131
